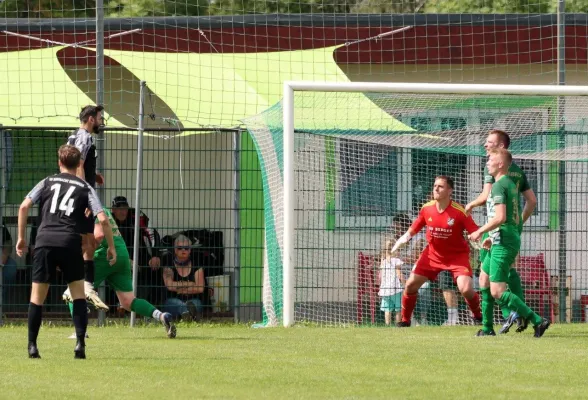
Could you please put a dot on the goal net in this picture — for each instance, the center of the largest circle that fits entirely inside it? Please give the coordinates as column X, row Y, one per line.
column 364, row 163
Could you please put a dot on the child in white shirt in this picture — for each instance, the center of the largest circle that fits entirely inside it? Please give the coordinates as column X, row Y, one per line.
column 391, row 284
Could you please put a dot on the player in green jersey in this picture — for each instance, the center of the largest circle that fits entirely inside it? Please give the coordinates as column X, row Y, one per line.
column 119, row 277
column 500, row 139
column 504, row 243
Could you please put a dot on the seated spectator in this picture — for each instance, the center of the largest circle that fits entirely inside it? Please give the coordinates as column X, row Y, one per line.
column 149, row 279
column 8, row 267
column 125, row 220
column 184, row 282
column 207, row 252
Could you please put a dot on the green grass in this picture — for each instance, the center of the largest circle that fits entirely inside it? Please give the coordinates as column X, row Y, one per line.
column 220, row 361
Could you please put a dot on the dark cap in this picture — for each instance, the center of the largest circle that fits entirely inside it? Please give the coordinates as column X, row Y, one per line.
column 120, row 201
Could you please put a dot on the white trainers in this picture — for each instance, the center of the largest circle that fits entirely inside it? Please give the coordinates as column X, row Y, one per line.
column 66, row 296
column 73, row 336
column 93, row 297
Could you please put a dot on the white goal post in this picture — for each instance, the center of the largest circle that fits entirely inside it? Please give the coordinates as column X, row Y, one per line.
column 290, row 87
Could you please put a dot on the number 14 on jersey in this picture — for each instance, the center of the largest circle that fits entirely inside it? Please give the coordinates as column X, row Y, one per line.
column 67, row 203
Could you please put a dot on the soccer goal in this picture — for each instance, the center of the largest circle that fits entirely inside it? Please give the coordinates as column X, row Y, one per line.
column 345, row 164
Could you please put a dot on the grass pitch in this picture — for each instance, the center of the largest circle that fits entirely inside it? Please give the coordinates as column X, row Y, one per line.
column 225, row 361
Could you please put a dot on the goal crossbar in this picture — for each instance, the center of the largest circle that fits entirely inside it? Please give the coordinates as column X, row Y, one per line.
column 435, row 88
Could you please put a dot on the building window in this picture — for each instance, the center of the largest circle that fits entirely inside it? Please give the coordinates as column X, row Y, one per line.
column 377, row 181
column 430, row 124
column 368, row 184
column 426, row 165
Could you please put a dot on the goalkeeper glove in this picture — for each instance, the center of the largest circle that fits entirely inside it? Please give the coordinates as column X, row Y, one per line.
column 401, row 242
column 476, row 244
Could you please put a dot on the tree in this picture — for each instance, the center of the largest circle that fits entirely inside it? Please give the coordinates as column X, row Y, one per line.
column 490, row 6
column 146, row 8
column 47, row 8
column 577, row 6
column 155, row 8
column 386, row 7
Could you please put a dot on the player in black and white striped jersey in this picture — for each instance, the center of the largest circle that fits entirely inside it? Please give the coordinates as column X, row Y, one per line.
column 63, row 200
column 91, row 119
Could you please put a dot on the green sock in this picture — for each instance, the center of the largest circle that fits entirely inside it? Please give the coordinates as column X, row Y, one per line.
column 487, row 310
column 513, row 302
column 143, row 308
column 140, row 306
column 514, row 284
column 516, row 288
column 505, row 312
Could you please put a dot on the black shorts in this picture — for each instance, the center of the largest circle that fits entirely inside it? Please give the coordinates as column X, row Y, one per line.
column 68, row 259
column 89, row 224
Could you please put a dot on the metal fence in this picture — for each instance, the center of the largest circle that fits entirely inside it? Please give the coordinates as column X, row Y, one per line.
column 204, row 184
column 208, row 185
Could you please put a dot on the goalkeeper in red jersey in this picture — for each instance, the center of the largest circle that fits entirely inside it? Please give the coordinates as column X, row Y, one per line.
column 447, row 249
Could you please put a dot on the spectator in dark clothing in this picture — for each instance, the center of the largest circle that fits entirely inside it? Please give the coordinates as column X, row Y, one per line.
column 149, row 279
column 148, row 243
column 184, row 282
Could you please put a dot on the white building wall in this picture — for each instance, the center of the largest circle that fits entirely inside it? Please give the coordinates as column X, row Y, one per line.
column 326, row 260
column 187, row 181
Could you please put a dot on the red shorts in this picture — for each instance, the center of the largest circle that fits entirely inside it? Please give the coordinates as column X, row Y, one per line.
column 458, row 266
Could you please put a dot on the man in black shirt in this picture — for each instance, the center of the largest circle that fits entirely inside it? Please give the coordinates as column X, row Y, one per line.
column 150, row 281
column 149, row 239
column 63, row 200
column 91, row 119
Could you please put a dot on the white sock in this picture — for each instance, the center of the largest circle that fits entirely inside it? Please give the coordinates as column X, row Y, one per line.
column 452, row 315
column 156, row 314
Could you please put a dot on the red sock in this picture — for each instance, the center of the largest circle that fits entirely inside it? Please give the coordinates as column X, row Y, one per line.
column 474, row 305
column 408, row 304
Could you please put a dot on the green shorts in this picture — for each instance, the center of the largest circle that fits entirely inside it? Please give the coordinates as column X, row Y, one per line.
column 498, row 262
column 392, row 303
column 483, row 252
column 118, row 276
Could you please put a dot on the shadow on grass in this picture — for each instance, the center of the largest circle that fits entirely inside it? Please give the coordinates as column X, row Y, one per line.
column 141, row 358
column 565, row 335
column 195, row 337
